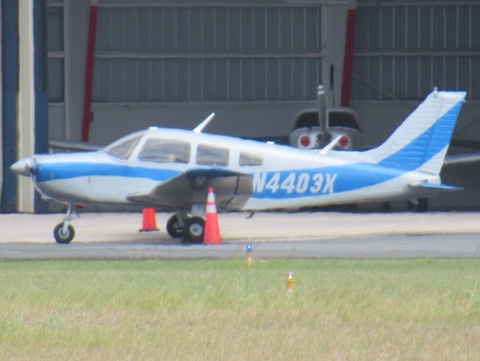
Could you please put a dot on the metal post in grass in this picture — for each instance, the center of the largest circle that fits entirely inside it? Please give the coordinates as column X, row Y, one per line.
column 249, row 249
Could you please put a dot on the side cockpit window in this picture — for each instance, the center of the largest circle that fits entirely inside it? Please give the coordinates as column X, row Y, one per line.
column 211, row 155
column 165, row 151
column 247, row 159
column 123, row 148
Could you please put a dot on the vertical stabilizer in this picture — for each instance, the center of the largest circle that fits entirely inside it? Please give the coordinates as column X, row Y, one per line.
column 421, row 142
column 322, row 109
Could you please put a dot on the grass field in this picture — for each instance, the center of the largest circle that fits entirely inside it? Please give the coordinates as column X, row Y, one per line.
column 220, row 310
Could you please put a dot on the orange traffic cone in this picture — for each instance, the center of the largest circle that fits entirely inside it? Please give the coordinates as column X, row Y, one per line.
column 212, row 231
column 149, row 223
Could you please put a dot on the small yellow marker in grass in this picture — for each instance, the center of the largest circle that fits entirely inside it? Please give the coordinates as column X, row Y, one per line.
column 290, row 282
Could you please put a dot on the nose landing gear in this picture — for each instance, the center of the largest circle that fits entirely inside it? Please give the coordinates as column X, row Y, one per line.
column 64, row 232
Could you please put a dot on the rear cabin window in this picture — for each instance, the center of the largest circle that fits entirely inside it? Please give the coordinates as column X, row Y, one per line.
column 123, row 148
column 249, row 159
column 165, row 151
column 210, row 155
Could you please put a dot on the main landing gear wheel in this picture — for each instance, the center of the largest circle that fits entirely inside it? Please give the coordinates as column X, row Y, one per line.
column 63, row 236
column 174, row 229
column 194, row 229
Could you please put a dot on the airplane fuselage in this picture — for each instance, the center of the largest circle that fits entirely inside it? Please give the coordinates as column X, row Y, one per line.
column 282, row 177
column 174, row 169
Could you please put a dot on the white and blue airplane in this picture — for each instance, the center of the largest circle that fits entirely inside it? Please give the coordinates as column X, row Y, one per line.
column 171, row 169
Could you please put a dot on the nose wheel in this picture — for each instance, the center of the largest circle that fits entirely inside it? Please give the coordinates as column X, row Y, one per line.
column 63, row 236
column 64, row 232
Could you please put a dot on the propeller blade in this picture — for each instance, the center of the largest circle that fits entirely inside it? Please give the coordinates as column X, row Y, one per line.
column 322, row 109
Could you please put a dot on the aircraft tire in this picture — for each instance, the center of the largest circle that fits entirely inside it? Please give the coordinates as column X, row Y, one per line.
column 194, row 229
column 62, row 238
column 172, row 227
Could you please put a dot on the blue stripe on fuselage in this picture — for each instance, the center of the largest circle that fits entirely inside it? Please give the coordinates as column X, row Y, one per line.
column 67, row 170
column 320, row 181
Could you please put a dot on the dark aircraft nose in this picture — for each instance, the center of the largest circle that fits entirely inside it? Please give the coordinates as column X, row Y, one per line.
column 24, row 167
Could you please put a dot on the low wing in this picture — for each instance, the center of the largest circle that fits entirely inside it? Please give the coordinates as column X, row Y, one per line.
column 75, row 146
column 232, row 190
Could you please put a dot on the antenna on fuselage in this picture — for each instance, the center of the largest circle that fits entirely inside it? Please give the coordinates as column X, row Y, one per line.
column 199, row 128
column 330, row 145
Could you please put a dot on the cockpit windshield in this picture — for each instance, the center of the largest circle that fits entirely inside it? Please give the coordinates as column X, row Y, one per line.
column 123, row 148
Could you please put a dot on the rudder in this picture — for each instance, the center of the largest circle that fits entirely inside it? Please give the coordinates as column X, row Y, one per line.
column 422, row 140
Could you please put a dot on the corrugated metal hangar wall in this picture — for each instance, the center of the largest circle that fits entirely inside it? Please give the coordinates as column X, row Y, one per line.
column 171, row 63
column 404, row 49
column 257, row 64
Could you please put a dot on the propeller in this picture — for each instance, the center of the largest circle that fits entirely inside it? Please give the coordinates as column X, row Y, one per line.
column 26, row 167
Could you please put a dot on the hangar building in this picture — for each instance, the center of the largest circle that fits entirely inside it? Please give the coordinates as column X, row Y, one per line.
column 95, row 70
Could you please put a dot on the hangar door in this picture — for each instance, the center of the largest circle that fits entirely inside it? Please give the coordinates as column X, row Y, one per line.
column 191, row 52
column 404, row 49
column 217, row 53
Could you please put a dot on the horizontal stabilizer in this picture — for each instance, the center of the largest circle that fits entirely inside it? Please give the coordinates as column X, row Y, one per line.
column 435, row 187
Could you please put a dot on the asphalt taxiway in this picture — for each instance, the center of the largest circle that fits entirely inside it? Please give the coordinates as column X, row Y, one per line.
column 318, row 235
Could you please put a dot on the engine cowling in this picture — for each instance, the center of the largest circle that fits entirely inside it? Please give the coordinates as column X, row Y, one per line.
column 307, row 131
column 305, row 138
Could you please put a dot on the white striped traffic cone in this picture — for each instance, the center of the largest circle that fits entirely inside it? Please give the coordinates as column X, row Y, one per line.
column 212, row 230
